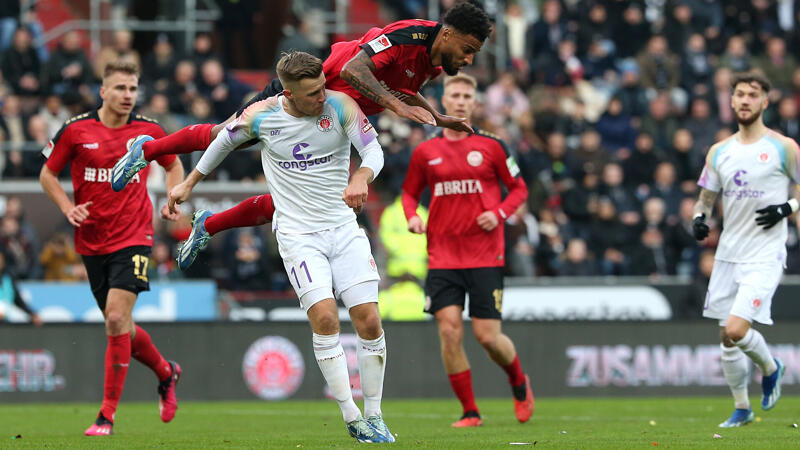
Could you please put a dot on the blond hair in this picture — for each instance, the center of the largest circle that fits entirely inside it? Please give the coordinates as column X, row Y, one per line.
column 461, row 78
column 295, row 66
column 120, row 66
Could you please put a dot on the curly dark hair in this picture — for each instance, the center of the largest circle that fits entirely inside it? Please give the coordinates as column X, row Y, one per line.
column 469, row 19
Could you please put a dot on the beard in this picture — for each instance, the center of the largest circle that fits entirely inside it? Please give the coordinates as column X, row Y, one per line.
column 750, row 120
column 448, row 66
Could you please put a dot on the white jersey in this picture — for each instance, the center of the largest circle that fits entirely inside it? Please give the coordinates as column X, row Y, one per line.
column 750, row 177
column 306, row 159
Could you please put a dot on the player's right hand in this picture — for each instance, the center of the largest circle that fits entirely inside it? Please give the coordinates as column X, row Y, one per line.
column 78, row 213
column 700, row 227
column 177, row 195
column 417, row 114
column 416, row 225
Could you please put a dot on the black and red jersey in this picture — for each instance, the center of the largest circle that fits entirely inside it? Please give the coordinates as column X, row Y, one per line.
column 464, row 178
column 401, row 52
column 116, row 219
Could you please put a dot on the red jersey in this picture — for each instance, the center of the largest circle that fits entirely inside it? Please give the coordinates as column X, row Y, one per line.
column 464, row 178
column 116, row 219
column 401, row 52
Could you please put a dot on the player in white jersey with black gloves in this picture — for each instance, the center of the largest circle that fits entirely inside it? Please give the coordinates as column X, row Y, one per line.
column 306, row 134
column 754, row 171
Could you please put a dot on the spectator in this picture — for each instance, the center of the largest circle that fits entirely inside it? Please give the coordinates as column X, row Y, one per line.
column 10, row 295
column 696, row 69
column 160, row 65
column 20, row 64
column 650, row 257
column 505, row 100
column 631, row 34
column 121, row 49
column 68, row 69
column 688, row 160
column 665, row 187
column 684, row 247
column 777, row 65
column 659, row 67
column 641, row 165
column 616, row 129
column 20, row 250
column 13, row 126
column 722, row 95
column 226, row 93
column 609, row 239
column 591, row 156
column 162, row 265
column 183, row 87
column 576, row 261
column 613, row 187
column 630, row 92
column 299, row 39
column 788, row 122
column 702, row 124
column 660, row 124
column 679, row 25
column 736, row 57
column 594, row 27
column 9, row 20
column 59, row 260
column 54, row 114
column 580, row 202
column 247, row 259
column 203, row 49
column 158, row 108
column 546, row 34
column 522, row 238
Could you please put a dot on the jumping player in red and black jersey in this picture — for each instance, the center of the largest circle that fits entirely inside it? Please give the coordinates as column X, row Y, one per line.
column 113, row 232
column 385, row 69
column 466, row 245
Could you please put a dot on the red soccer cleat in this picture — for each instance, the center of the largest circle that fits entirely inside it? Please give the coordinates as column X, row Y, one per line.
column 167, row 400
column 100, row 427
column 471, row 419
column 524, row 408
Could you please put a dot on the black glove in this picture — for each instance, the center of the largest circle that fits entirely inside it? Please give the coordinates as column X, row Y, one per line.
column 768, row 217
column 699, row 227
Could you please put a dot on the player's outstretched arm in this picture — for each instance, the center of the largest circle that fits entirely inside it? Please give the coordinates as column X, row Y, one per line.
column 442, row 120
column 181, row 192
column 358, row 72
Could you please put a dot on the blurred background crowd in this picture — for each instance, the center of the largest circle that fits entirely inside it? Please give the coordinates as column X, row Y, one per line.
column 608, row 105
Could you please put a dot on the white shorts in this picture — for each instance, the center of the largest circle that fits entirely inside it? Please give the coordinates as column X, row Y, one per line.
column 742, row 289
column 326, row 263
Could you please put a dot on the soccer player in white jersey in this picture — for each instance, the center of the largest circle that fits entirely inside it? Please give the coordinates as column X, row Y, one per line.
column 306, row 133
column 753, row 171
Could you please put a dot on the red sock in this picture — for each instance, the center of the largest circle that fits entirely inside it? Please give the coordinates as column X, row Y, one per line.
column 118, row 356
column 185, row 140
column 254, row 211
column 462, row 385
column 514, row 371
column 145, row 352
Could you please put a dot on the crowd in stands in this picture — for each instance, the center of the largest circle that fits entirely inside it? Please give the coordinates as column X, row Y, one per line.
column 608, row 105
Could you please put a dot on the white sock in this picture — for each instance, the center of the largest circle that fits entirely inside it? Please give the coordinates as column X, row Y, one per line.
column 372, row 366
column 754, row 346
column 735, row 367
column 333, row 364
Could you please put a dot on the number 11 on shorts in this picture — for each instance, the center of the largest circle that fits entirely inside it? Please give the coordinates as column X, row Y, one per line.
column 304, row 267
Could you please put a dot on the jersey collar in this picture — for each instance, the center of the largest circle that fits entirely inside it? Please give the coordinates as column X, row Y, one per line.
column 432, row 37
column 95, row 114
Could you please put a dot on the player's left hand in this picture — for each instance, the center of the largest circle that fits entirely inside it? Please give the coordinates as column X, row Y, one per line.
column 487, row 220
column 454, row 123
column 167, row 214
column 768, row 217
column 355, row 194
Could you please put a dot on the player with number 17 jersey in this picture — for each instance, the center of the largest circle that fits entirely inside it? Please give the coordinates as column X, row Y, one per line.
column 117, row 220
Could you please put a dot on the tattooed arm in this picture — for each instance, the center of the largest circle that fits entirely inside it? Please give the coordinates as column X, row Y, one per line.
column 705, row 202
column 358, row 73
column 442, row 120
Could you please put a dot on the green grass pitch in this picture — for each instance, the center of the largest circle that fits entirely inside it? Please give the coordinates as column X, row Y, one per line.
column 605, row 423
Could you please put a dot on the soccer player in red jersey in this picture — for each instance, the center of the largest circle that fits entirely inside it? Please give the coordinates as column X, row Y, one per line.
column 466, row 244
column 386, row 68
column 113, row 232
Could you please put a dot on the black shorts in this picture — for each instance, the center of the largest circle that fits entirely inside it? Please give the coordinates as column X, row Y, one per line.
column 124, row 269
column 273, row 88
column 445, row 287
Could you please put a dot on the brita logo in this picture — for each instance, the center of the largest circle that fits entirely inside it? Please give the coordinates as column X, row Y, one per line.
column 304, row 161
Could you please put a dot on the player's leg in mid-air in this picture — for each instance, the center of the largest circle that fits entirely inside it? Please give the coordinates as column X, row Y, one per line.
column 115, row 283
column 485, row 305
column 253, row 211
column 144, row 149
column 739, row 341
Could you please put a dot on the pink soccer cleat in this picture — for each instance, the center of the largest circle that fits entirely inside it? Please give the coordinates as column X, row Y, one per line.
column 167, row 400
column 100, row 427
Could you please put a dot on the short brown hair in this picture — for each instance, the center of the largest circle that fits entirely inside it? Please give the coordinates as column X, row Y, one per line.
column 294, row 66
column 753, row 76
column 462, row 78
column 120, row 66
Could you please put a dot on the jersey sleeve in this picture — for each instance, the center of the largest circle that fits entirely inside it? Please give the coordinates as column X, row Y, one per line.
column 508, row 171
column 709, row 177
column 383, row 50
column 414, row 183
column 59, row 151
column 791, row 164
column 353, row 121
